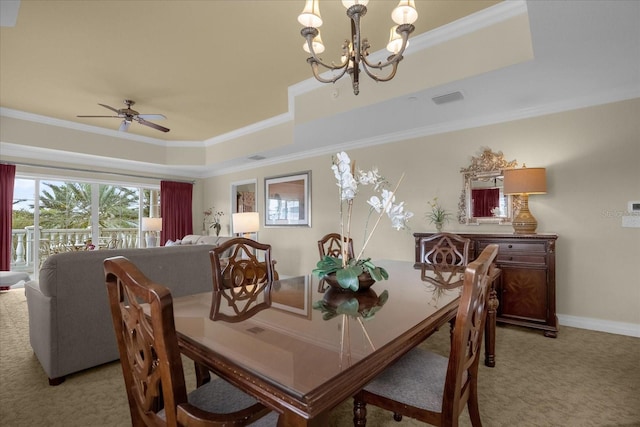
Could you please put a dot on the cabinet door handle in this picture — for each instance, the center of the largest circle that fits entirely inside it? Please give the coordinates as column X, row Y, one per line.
column 510, row 246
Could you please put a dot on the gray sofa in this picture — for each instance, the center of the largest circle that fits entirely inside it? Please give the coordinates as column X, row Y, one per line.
column 70, row 326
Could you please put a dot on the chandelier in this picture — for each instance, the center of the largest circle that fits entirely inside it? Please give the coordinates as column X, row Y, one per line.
column 355, row 51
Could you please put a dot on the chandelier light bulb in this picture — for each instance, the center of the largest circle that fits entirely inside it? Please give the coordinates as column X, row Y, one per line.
column 317, row 45
column 310, row 16
column 395, row 41
column 405, row 12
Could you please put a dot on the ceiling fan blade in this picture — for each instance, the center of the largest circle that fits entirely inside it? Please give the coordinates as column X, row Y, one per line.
column 115, row 117
column 124, row 126
column 110, row 108
column 151, row 125
column 152, row 116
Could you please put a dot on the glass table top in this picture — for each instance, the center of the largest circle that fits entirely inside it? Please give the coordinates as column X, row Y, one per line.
column 301, row 337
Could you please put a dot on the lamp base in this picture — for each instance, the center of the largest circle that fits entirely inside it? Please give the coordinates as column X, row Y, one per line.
column 524, row 222
column 151, row 240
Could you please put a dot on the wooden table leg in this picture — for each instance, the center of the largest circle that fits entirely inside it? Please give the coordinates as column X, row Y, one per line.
column 490, row 330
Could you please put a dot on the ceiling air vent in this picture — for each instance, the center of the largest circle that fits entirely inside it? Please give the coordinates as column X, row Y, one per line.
column 256, row 157
column 449, row 97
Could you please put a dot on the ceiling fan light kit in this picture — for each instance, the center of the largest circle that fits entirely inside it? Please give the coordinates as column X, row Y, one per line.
column 129, row 115
column 355, row 51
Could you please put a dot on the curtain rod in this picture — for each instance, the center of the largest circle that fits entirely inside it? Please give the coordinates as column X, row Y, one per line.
column 96, row 171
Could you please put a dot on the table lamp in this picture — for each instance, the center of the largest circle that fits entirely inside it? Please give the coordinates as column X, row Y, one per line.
column 525, row 181
column 151, row 226
column 246, row 223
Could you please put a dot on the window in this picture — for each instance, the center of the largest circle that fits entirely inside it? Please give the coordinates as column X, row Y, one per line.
column 74, row 215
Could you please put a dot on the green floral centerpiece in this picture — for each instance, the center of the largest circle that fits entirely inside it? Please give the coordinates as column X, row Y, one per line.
column 350, row 181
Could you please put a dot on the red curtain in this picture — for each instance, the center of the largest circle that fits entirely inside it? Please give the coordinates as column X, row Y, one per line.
column 484, row 200
column 7, row 177
column 177, row 218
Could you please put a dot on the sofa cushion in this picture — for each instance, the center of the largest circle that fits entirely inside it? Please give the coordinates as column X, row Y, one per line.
column 207, row 240
column 190, row 239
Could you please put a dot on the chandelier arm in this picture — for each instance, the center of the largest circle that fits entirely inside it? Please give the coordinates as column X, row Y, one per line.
column 309, row 33
column 314, row 70
column 382, row 79
column 396, row 57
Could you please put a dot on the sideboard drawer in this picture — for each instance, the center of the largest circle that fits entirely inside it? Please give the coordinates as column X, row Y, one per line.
column 521, row 259
column 507, row 247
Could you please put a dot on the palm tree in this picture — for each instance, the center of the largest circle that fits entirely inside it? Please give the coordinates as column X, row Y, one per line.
column 68, row 205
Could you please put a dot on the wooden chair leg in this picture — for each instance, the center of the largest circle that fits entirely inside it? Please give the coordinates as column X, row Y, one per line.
column 202, row 374
column 472, row 405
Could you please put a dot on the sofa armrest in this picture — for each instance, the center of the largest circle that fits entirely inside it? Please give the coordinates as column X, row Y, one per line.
column 42, row 326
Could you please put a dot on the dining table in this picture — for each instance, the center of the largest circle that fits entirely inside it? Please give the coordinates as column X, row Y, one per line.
column 309, row 347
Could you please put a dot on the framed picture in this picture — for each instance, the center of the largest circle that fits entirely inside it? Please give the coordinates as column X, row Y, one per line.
column 288, row 200
column 293, row 297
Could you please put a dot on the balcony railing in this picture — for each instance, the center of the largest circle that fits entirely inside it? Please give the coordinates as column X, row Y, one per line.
column 23, row 257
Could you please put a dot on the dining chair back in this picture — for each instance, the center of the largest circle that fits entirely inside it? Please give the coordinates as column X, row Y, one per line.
column 332, row 245
column 241, row 281
column 142, row 313
column 444, row 257
column 432, row 388
column 236, row 262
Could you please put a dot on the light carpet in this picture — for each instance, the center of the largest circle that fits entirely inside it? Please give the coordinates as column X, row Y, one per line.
column 580, row 379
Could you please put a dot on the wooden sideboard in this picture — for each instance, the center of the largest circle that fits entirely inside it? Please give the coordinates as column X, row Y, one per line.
column 526, row 287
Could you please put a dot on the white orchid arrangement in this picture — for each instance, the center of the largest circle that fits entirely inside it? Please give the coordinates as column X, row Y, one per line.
column 350, row 181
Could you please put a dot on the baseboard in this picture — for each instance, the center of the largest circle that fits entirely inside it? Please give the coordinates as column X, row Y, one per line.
column 620, row 328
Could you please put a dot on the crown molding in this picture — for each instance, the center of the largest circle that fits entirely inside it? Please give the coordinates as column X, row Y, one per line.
column 49, row 156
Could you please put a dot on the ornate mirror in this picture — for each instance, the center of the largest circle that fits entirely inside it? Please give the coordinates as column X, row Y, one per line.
column 482, row 199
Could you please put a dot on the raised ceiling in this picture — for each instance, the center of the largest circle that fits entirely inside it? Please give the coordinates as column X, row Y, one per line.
column 210, row 66
column 217, row 67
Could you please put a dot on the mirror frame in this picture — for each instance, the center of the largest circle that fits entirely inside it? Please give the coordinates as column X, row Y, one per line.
column 487, row 165
column 234, row 198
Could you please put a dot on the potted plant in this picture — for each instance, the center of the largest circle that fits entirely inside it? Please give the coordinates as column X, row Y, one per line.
column 213, row 218
column 349, row 272
column 438, row 215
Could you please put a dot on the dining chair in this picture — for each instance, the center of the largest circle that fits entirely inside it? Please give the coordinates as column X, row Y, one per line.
column 429, row 387
column 443, row 258
column 241, row 282
column 331, row 245
column 237, row 262
column 142, row 313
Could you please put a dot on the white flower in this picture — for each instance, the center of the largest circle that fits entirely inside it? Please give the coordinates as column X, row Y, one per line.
column 382, row 203
column 398, row 216
column 371, row 177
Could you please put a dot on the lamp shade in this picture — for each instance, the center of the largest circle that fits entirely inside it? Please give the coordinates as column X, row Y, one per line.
column 245, row 222
column 405, row 12
column 151, row 224
column 525, row 181
column 310, row 16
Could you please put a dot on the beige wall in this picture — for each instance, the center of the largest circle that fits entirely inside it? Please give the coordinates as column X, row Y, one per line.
column 591, row 157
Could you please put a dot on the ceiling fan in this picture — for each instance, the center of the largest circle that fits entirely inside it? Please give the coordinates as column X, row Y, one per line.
column 128, row 115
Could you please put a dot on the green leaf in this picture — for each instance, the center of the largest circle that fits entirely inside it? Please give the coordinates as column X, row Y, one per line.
column 349, row 307
column 348, row 278
column 379, row 273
